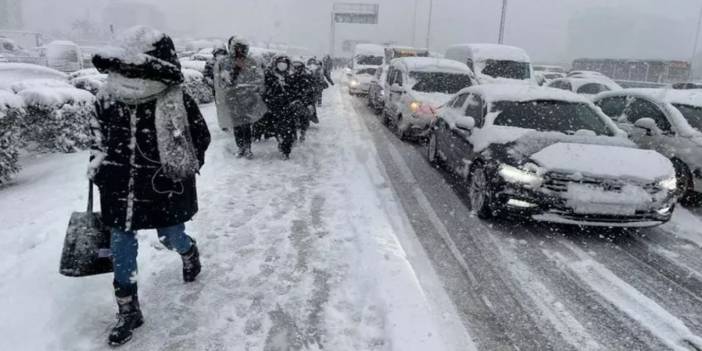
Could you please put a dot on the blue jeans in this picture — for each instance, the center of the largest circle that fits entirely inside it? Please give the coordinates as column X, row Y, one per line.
column 125, row 247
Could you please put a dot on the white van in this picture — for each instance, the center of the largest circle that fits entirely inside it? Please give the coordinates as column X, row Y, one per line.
column 493, row 63
column 366, row 60
column 64, row 56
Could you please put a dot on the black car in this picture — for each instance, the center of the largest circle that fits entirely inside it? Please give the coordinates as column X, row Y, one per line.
column 551, row 156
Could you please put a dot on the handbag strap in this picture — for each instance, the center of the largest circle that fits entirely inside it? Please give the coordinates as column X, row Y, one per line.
column 90, row 197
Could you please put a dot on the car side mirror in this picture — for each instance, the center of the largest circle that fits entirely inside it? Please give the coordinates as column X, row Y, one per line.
column 649, row 125
column 465, row 123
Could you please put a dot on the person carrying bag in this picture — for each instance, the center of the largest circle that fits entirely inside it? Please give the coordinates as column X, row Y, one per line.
column 149, row 143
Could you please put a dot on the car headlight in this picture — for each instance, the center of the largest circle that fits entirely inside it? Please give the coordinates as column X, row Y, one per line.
column 354, row 83
column 414, row 106
column 518, row 176
column 670, row 183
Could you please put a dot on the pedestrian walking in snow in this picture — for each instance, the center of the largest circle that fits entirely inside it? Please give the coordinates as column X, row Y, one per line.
column 279, row 97
column 149, row 142
column 209, row 66
column 320, row 79
column 238, row 86
column 327, row 67
column 302, row 85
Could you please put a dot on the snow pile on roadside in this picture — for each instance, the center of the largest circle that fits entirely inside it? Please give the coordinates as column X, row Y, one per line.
column 194, row 65
column 297, row 255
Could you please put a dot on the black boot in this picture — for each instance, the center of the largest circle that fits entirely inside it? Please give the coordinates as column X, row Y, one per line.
column 191, row 264
column 128, row 319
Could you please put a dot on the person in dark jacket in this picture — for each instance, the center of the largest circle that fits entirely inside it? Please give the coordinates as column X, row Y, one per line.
column 209, row 66
column 327, row 67
column 279, row 96
column 149, row 142
column 319, row 79
column 302, row 84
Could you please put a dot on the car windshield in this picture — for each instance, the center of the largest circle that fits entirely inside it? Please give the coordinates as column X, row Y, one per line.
column 366, row 71
column 549, row 116
column 369, row 60
column 507, row 69
column 692, row 114
column 439, row 82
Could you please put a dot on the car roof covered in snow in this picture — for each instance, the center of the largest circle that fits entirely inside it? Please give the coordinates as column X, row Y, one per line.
column 481, row 52
column 578, row 82
column 666, row 96
column 11, row 73
column 522, row 93
column 431, row 64
column 61, row 43
column 369, row 49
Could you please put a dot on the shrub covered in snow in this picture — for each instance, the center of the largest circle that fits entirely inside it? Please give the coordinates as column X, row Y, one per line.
column 58, row 117
column 195, row 86
column 12, row 113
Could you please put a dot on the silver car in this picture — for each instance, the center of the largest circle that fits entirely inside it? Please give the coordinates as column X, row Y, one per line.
column 665, row 120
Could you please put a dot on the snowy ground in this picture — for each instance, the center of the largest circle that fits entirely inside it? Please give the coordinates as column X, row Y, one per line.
column 313, row 253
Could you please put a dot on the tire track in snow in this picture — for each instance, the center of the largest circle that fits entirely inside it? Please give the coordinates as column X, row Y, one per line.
column 668, row 328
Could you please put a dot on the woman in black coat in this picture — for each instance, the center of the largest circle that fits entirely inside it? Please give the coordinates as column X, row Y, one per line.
column 279, row 97
column 149, row 142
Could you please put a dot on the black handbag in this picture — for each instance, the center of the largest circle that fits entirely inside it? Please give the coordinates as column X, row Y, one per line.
column 86, row 249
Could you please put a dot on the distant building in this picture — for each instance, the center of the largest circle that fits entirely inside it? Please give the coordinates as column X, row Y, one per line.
column 11, row 14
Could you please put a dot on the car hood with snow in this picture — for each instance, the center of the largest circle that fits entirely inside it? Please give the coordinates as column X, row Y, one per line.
column 604, row 161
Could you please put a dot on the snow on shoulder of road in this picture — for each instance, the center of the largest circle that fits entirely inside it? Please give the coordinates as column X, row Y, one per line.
column 297, row 255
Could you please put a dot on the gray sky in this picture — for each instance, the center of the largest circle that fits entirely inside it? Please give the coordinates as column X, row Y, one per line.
column 550, row 30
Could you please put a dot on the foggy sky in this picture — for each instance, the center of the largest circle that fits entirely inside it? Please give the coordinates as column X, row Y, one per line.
column 550, row 30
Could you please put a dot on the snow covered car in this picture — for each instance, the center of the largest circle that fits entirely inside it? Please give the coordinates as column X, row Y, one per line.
column 551, row 156
column 376, row 91
column 543, row 74
column 360, row 80
column 585, row 86
column 12, row 73
column 665, row 120
column 416, row 87
column 64, row 56
column 493, row 63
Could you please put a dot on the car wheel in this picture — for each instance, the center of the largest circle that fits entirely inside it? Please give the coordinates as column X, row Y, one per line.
column 433, row 150
column 386, row 119
column 479, row 192
column 686, row 189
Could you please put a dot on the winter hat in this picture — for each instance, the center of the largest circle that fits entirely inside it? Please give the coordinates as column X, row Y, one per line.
column 142, row 52
column 240, row 43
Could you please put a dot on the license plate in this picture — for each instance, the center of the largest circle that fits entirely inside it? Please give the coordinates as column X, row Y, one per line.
column 606, row 209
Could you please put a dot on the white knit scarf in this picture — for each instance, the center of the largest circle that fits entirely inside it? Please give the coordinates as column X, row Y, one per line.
column 177, row 153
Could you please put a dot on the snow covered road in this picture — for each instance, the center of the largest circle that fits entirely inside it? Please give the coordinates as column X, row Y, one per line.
column 309, row 254
column 525, row 286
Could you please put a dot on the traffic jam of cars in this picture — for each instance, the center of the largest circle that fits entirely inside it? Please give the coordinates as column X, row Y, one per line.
column 538, row 142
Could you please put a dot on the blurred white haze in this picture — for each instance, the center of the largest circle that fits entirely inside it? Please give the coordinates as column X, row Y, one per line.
column 550, row 30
